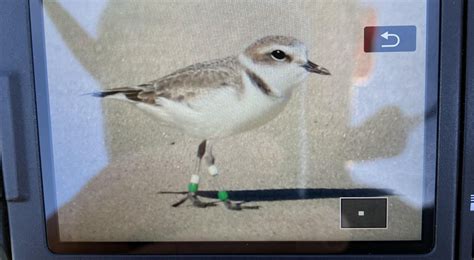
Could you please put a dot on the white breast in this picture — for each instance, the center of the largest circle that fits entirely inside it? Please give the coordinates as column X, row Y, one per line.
column 226, row 112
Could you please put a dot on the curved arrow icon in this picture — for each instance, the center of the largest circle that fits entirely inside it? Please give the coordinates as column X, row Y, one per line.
column 386, row 35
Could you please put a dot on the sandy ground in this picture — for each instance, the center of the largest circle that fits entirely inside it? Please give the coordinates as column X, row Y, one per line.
column 124, row 205
column 306, row 150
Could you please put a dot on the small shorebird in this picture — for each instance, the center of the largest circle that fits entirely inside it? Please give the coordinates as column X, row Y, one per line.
column 223, row 97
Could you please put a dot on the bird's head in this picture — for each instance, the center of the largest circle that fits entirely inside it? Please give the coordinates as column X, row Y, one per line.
column 281, row 61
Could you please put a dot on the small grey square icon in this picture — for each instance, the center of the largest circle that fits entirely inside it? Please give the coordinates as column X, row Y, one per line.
column 363, row 212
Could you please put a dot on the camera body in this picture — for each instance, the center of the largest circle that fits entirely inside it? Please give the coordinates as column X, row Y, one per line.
column 25, row 127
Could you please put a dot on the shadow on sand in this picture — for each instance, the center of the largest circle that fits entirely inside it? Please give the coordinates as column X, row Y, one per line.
column 290, row 194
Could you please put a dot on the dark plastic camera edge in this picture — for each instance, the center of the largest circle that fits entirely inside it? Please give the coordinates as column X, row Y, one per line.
column 466, row 227
column 25, row 205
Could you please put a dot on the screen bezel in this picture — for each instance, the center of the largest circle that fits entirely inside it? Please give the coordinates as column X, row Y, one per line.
column 303, row 247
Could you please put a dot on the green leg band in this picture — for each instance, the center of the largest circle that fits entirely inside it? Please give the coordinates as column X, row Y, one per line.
column 193, row 187
column 223, row 195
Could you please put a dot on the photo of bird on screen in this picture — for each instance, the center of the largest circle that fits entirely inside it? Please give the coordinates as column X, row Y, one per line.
column 219, row 98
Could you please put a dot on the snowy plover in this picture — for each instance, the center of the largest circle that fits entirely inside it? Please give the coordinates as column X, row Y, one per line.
column 223, row 97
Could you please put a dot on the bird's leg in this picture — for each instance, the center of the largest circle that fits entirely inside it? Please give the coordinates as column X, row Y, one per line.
column 222, row 194
column 193, row 185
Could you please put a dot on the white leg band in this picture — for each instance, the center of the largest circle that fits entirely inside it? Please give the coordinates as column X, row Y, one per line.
column 212, row 170
column 195, row 179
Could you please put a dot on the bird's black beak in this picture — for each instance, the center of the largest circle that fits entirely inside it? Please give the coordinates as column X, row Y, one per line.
column 315, row 68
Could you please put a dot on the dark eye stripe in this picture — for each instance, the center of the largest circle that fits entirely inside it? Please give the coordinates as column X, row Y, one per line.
column 266, row 58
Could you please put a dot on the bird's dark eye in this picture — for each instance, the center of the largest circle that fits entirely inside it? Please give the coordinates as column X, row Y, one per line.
column 278, row 55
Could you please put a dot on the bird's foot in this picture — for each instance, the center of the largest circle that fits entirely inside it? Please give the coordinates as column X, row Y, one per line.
column 223, row 196
column 196, row 202
column 233, row 205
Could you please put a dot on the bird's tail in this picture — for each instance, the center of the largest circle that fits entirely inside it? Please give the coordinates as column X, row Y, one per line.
column 128, row 93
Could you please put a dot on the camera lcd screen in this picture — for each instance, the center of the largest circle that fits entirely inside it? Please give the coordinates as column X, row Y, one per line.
column 238, row 126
